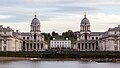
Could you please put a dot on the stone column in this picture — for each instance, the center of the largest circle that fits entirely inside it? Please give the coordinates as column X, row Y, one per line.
column 84, row 46
column 118, row 45
column 94, row 46
column 88, row 47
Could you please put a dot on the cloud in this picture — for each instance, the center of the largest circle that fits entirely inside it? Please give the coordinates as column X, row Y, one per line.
column 60, row 12
column 5, row 16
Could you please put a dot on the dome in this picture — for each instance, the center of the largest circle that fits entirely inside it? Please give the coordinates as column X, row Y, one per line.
column 35, row 21
column 85, row 21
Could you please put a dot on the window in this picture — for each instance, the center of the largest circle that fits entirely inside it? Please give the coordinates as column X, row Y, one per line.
column 31, row 46
column 27, row 46
column 5, row 32
column 93, row 46
column 86, row 46
column 27, row 37
column 115, row 32
column 78, row 45
column 34, row 36
column 85, row 36
column 96, row 37
column 38, row 46
column 23, row 37
column 4, row 47
column 92, row 37
column 82, row 45
column 23, row 45
column 41, row 46
column 5, row 41
column 97, row 45
column 89, row 45
column 34, row 46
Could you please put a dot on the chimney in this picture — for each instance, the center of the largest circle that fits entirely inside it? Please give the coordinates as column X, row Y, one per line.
column 118, row 25
column 1, row 26
column 53, row 38
column 8, row 27
column 17, row 31
column 66, row 38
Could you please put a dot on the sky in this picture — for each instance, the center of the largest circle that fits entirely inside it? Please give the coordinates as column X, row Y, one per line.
column 60, row 15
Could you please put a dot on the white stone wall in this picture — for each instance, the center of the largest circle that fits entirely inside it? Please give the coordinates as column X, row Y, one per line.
column 60, row 43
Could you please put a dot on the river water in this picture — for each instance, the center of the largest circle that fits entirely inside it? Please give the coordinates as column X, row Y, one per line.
column 56, row 64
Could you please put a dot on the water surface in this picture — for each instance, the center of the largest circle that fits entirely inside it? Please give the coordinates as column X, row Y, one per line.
column 56, row 64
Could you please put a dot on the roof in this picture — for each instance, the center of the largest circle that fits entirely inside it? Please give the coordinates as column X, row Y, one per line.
column 35, row 21
column 25, row 34
column 105, row 34
column 96, row 33
column 5, row 29
column 114, row 29
column 85, row 21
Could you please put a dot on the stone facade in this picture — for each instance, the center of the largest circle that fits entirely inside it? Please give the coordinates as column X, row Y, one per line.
column 9, row 40
column 34, row 40
column 23, row 41
column 110, row 40
column 60, row 43
column 97, row 41
column 87, row 40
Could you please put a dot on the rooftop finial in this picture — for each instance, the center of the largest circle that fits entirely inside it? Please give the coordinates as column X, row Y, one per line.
column 35, row 15
column 84, row 14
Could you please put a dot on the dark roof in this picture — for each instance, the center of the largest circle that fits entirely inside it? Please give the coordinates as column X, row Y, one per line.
column 96, row 33
column 5, row 29
column 25, row 34
column 85, row 21
column 114, row 29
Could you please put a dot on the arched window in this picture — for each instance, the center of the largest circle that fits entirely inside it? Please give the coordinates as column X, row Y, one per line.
column 23, row 45
column 27, row 46
column 78, row 45
column 82, row 46
column 38, row 46
column 85, row 36
column 31, row 46
column 86, row 46
column 41, row 46
column 4, row 47
column 34, row 36
column 96, row 45
column 93, row 46
column 34, row 46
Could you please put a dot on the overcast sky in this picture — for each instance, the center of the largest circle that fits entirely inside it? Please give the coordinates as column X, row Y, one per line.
column 60, row 15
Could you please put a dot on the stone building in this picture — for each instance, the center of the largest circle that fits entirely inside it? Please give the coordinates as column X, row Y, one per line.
column 87, row 40
column 60, row 43
column 10, row 40
column 110, row 40
column 34, row 40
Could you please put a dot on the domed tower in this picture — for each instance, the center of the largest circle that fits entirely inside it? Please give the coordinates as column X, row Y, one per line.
column 35, row 25
column 85, row 27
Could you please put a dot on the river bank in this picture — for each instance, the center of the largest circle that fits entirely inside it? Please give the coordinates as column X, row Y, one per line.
column 60, row 59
